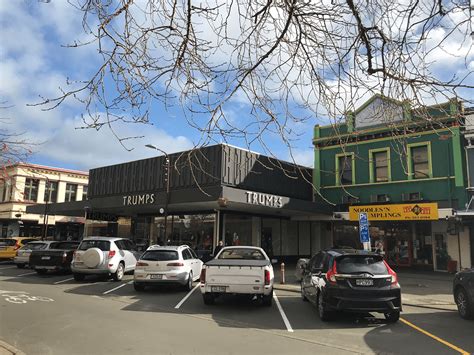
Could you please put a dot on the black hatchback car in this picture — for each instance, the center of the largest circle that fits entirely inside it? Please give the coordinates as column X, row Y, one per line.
column 351, row 280
column 463, row 290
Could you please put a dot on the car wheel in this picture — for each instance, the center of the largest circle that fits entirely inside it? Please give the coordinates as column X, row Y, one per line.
column 303, row 297
column 79, row 277
column 41, row 271
column 118, row 275
column 208, row 299
column 138, row 287
column 189, row 282
column 267, row 299
column 20, row 266
column 392, row 317
column 323, row 312
column 464, row 306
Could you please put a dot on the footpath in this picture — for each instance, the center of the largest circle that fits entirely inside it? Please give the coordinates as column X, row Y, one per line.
column 419, row 289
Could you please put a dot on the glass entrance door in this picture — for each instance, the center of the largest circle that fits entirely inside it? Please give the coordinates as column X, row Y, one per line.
column 441, row 251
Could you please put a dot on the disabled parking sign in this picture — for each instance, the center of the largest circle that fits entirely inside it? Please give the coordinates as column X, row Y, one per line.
column 364, row 228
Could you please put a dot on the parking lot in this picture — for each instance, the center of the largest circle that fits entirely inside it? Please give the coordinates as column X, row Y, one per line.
column 54, row 314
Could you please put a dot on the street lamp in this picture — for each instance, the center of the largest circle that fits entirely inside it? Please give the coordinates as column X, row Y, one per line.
column 167, row 182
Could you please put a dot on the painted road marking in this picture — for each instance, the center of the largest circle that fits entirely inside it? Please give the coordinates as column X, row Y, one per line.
column 454, row 347
column 8, row 267
column 29, row 273
column 116, row 288
column 187, row 296
column 282, row 313
column 60, row 282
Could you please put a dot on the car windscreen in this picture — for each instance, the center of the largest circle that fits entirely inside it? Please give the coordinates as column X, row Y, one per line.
column 33, row 246
column 160, row 255
column 241, row 254
column 103, row 245
column 64, row 245
column 7, row 242
column 358, row 264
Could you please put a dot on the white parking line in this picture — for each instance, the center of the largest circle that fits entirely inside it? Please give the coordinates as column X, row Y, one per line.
column 29, row 273
column 187, row 296
column 60, row 282
column 116, row 288
column 8, row 267
column 282, row 312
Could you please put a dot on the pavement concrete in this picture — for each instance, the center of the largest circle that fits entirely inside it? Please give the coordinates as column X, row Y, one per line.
column 7, row 349
column 419, row 289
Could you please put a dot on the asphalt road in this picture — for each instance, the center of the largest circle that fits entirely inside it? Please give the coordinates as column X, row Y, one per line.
column 53, row 314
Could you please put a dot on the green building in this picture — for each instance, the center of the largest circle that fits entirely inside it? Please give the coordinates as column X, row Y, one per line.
column 406, row 168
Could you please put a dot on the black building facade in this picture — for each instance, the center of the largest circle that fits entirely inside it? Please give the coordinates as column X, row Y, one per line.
column 201, row 196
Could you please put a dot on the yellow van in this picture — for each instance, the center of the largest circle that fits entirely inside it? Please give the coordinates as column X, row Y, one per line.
column 9, row 246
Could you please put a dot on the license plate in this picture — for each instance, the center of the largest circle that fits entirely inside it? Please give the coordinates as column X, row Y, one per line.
column 218, row 288
column 156, row 277
column 45, row 257
column 364, row 282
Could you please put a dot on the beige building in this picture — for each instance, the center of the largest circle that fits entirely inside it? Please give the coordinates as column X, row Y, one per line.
column 22, row 185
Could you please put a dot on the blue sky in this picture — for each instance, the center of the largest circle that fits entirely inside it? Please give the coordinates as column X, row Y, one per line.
column 33, row 63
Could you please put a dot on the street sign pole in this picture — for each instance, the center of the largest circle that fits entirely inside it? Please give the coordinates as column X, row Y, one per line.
column 364, row 230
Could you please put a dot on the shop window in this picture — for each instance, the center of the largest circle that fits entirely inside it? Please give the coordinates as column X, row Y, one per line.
column 85, row 188
column 271, row 236
column 345, row 169
column 238, row 229
column 31, row 190
column 290, row 240
column 419, row 161
column 380, row 166
column 51, row 191
column 71, row 192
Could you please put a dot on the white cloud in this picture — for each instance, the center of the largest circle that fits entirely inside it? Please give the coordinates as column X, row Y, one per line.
column 303, row 157
column 32, row 63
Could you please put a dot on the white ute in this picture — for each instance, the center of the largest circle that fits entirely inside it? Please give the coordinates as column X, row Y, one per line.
column 238, row 270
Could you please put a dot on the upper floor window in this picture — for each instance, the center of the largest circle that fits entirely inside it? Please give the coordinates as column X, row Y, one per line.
column 31, row 190
column 51, row 191
column 85, row 188
column 420, row 161
column 380, row 168
column 71, row 192
column 345, row 169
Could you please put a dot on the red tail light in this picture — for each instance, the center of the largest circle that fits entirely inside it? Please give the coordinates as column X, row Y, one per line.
column 175, row 264
column 203, row 276
column 267, row 277
column 111, row 254
column 141, row 263
column 331, row 274
column 392, row 273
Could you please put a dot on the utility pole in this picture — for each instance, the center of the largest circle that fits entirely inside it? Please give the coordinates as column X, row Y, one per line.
column 166, row 178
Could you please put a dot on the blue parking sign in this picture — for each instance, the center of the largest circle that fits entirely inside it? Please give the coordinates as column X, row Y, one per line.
column 364, row 228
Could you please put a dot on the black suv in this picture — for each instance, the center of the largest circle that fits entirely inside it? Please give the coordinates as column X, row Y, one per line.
column 351, row 280
column 463, row 290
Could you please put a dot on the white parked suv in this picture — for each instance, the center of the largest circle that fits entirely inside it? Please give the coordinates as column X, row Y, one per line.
column 167, row 265
column 104, row 256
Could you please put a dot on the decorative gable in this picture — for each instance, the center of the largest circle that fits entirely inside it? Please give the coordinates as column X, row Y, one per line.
column 378, row 111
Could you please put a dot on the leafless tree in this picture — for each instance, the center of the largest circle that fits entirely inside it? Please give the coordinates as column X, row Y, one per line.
column 289, row 62
column 14, row 146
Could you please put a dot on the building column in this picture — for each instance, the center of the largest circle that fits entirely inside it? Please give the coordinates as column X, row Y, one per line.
column 41, row 190
column 61, row 191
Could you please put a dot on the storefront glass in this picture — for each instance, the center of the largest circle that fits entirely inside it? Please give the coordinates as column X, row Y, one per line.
column 289, row 242
column 422, row 245
column 271, row 236
column 238, row 229
column 441, row 250
column 194, row 230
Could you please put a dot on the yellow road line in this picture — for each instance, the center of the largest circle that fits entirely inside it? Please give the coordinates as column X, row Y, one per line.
column 454, row 347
